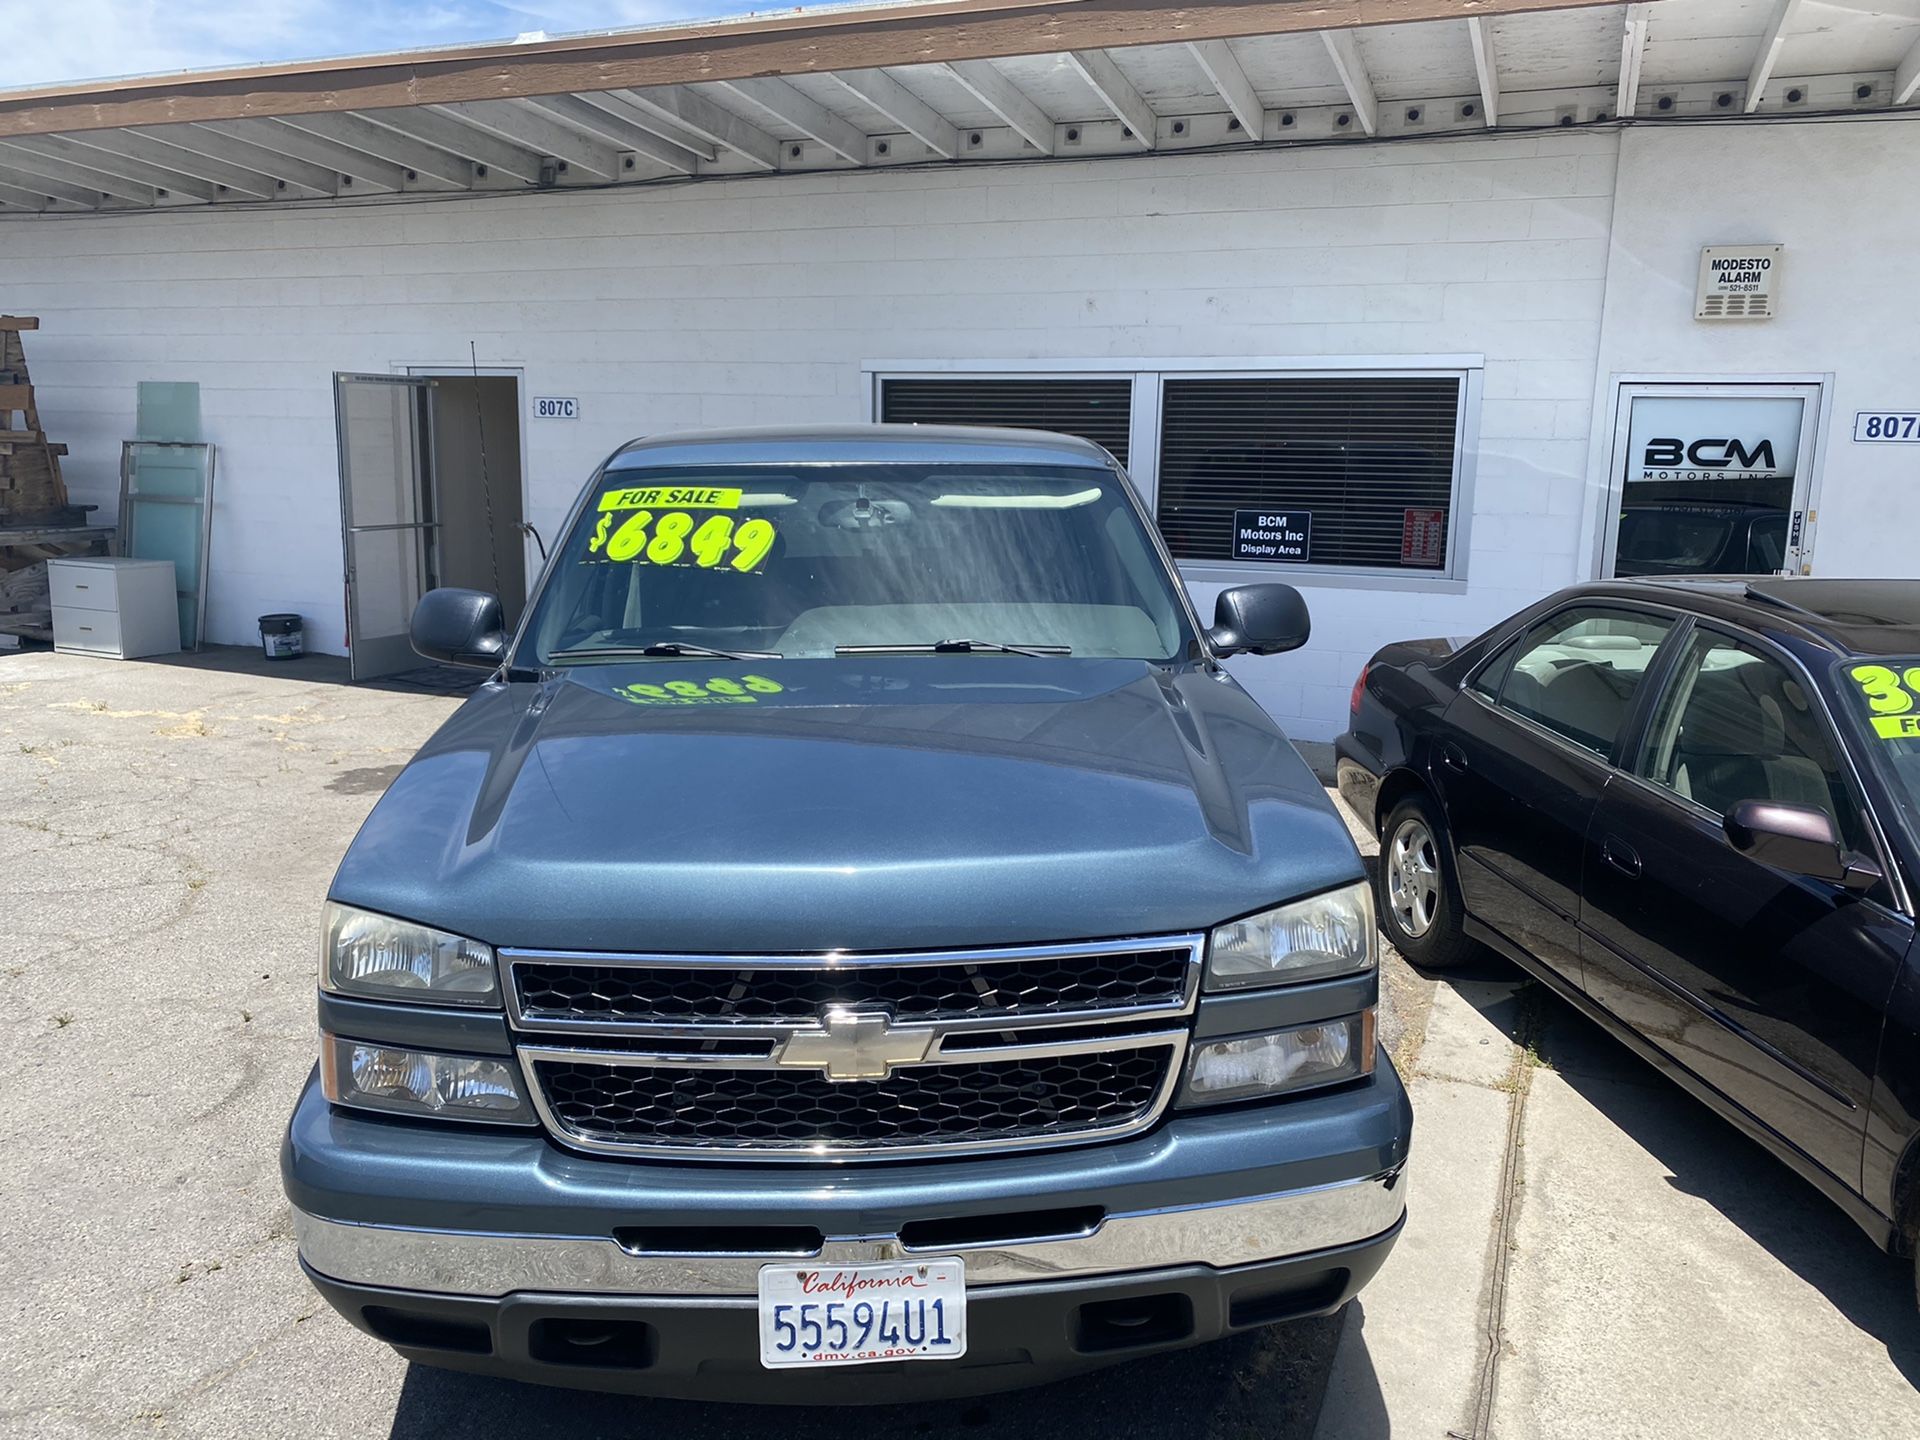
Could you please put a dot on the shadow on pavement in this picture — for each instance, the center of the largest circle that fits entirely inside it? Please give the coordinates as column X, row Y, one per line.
column 1266, row 1384
column 1706, row 1157
column 425, row 679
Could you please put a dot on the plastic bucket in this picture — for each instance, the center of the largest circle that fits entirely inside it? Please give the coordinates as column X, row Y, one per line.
column 280, row 637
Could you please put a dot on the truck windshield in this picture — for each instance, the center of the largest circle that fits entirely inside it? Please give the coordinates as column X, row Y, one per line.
column 1883, row 703
column 800, row 561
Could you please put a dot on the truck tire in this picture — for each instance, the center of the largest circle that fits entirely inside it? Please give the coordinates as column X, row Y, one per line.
column 1415, row 893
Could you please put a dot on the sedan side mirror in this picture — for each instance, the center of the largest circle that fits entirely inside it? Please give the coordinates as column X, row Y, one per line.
column 460, row 627
column 1259, row 620
column 1799, row 839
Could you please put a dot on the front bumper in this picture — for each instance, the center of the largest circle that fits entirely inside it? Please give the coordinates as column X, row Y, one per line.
column 508, row 1254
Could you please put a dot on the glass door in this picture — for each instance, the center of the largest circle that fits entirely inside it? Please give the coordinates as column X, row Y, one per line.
column 1712, row 479
column 387, row 518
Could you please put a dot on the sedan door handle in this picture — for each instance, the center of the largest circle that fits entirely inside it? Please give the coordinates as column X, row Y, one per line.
column 1621, row 856
column 1453, row 757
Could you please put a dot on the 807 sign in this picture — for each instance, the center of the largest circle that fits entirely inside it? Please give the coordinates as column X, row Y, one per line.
column 1885, row 427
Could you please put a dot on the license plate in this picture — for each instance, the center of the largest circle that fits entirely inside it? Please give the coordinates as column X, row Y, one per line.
column 860, row 1314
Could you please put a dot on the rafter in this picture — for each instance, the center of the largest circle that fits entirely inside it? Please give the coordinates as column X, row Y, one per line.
column 296, row 175
column 445, row 133
column 1906, row 79
column 357, row 132
column 238, row 179
column 1769, row 52
column 698, row 115
column 25, row 199
column 902, row 107
column 174, row 182
column 812, row 119
column 616, row 130
column 1633, row 48
column 17, row 157
column 528, row 127
column 369, row 172
column 52, row 189
column 986, row 84
column 1345, row 52
column 1481, row 39
column 1223, row 71
column 1117, row 93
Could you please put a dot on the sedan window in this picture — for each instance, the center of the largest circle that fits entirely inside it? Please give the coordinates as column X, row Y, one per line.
column 1735, row 725
column 1576, row 672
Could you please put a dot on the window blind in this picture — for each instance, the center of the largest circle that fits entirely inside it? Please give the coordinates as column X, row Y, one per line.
column 1368, row 460
column 1096, row 410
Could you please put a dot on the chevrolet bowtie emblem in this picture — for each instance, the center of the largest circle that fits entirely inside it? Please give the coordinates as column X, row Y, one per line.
column 857, row 1045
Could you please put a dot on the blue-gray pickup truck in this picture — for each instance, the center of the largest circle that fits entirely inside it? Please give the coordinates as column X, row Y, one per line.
column 857, row 943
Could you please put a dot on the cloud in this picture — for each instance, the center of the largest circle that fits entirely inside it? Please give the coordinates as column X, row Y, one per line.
column 97, row 39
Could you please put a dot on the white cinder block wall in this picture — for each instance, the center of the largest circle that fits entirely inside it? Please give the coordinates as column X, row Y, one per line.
column 758, row 301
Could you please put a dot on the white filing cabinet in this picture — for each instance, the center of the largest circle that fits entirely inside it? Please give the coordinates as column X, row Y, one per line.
column 122, row 608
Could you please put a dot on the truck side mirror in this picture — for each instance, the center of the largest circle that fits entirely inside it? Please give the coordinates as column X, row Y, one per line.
column 459, row 627
column 1799, row 839
column 1259, row 620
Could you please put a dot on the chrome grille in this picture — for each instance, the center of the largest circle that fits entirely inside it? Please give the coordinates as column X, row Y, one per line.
column 853, row 1056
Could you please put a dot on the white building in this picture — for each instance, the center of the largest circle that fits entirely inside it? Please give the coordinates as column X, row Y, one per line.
column 1441, row 311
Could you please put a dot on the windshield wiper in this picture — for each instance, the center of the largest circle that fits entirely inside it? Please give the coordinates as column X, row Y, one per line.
column 953, row 647
column 660, row 650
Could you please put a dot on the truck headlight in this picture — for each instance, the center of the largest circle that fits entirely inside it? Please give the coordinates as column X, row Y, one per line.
column 1303, row 1058
column 1314, row 939
column 375, row 957
column 418, row 1082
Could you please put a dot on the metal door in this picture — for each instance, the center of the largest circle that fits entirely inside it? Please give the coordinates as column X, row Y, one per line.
column 386, row 514
column 1712, row 479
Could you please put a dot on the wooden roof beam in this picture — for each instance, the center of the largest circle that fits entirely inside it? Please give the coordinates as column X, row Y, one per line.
column 1117, row 93
column 356, row 168
column 443, row 132
column 540, row 133
column 1224, row 72
column 235, row 179
column 1481, row 39
column 1906, row 78
column 1633, row 49
column 171, row 182
column 52, row 189
column 985, row 83
column 1345, row 53
column 617, row 131
column 1769, row 52
column 356, row 132
column 16, row 156
column 812, row 119
column 697, row 115
column 298, row 176
column 901, row 106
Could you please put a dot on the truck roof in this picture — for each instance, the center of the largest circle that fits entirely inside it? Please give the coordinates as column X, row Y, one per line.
column 860, row 445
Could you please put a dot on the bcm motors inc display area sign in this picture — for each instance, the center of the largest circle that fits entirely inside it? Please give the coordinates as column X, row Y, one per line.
column 1271, row 535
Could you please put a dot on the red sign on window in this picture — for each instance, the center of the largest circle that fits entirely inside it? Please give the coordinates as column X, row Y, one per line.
column 1423, row 537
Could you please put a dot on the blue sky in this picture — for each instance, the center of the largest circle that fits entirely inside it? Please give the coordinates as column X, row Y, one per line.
column 48, row 41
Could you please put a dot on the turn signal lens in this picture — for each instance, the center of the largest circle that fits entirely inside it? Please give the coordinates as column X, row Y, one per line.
column 1303, row 1058
column 418, row 1082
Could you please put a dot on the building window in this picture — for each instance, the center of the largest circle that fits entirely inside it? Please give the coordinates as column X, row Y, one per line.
column 1098, row 410
column 1362, row 467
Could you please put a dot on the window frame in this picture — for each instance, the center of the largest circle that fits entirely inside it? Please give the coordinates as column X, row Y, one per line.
column 1149, row 376
column 1633, row 723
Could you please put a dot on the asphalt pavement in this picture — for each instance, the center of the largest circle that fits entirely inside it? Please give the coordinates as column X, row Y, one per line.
column 1588, row 1253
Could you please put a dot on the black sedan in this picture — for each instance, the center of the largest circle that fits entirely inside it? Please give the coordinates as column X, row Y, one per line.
column 1691, row 807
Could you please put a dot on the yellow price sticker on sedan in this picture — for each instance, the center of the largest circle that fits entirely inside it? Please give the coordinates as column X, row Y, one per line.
column 658, row 525
column 1893, row 698
column 719, row 690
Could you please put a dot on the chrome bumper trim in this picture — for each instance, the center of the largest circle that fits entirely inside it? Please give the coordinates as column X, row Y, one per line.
column 1223, row 1235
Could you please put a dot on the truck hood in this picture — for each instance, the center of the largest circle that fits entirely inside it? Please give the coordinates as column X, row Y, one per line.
column 858, row 804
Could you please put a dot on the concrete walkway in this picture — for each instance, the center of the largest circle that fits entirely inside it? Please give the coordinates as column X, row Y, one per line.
column 1644, row 1269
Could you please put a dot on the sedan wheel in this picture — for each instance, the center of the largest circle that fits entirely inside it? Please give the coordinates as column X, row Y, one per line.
column 1419, row 910
column 1413, row 877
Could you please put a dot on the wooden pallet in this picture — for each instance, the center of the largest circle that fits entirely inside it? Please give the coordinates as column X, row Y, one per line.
column 37, row 524
column 31, row 486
